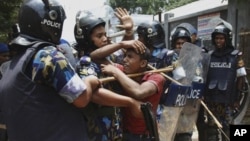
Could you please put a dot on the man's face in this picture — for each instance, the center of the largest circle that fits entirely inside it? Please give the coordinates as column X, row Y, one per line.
column 219, row 40
column 132, row 62
column 99, row 37
column 179, row 43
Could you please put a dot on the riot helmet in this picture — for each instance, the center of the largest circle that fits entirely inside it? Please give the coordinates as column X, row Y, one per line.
column 42, row 19
column 179, row 32
column 85, row 23
column 152, row 33
column 189, row 27
column 224, row 30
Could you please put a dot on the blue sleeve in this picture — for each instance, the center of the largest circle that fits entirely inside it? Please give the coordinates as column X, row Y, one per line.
column 50, row 67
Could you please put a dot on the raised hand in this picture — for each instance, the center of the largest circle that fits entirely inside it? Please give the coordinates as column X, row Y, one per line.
column 126, row 22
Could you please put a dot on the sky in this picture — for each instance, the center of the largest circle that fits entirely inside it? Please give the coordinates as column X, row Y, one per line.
column 71, row 7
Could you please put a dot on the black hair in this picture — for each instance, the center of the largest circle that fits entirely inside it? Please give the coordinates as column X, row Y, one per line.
column 145, row 56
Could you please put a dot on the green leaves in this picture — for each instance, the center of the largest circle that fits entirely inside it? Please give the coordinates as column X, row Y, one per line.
column 8, row 17
column 148, row 6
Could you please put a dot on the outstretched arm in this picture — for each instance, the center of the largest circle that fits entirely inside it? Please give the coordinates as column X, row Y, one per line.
column 132, row 88
column 105, row 97
column 92, row 84
column 99, row 54
column 108, row 98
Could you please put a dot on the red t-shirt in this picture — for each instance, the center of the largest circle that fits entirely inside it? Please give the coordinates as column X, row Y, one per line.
column 137, row 125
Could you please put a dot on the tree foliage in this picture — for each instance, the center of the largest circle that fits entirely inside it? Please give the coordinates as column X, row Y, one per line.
column 8, row 17
column 148, row 6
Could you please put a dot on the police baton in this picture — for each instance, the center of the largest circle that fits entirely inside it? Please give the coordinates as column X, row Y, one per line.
column 202, row 103
column 166, row 69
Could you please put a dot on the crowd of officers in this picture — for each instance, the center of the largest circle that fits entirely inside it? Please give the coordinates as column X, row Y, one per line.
column 52, row 90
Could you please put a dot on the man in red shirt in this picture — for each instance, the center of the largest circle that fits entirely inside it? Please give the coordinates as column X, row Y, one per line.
column 145, row 88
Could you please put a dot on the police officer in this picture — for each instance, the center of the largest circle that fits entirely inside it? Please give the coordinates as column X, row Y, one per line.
column 104, row 121
column 179, row 36
column 40, row 92
column 86, row 22
column 153, row 36
column 226, row 73
column 150, row 34
column 101, row 120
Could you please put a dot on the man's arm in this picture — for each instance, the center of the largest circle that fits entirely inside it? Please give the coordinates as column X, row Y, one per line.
column 106, row 97
column 99, row 54
column 92, row 83
column 132, row 88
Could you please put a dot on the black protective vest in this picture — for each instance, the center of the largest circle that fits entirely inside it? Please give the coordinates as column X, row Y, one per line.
column 35, row 112
column 221, row 78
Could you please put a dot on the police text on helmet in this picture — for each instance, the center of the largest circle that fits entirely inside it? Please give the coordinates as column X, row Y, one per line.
column 51, row 23
column 151, row 35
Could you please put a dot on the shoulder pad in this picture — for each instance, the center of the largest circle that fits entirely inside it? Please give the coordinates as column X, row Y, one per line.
column 235, row 52
column 25, row 42
column 22, row 42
